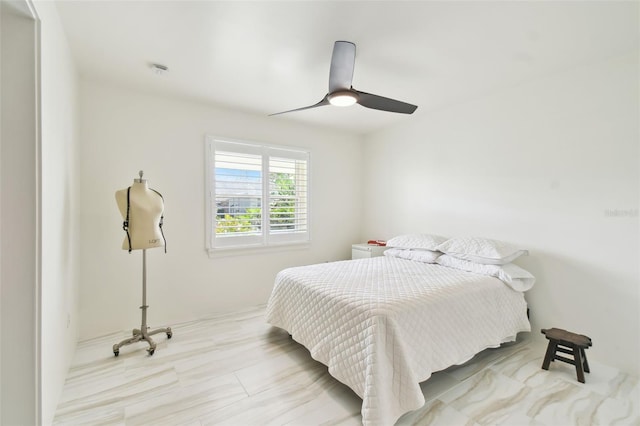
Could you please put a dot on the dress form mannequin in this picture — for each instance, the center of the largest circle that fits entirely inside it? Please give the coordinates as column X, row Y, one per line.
column 141, row 209
column 144, row 219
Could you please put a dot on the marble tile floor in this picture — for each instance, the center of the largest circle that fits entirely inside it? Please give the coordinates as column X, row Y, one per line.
column 234, row 369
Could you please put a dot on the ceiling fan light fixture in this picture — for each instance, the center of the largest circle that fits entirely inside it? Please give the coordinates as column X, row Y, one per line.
column 343, row 98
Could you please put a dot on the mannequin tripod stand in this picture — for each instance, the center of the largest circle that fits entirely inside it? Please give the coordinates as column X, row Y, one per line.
column 143, row 333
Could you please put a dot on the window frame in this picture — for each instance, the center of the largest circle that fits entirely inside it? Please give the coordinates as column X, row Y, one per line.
column 267, row 239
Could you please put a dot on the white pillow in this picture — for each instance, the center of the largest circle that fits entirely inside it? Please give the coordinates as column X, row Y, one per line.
column 512, row 275
column 481, row 250
column 425, row 256
column 416, row 241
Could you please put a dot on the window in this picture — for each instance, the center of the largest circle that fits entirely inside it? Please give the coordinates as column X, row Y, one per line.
column 257, row 195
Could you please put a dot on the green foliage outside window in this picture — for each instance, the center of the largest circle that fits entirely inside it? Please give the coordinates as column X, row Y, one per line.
column 232, row 224
column 283, row 201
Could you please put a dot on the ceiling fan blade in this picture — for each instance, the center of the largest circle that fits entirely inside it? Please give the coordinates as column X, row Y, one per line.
column 384, row 104
column 324, row 101
column 342, row 63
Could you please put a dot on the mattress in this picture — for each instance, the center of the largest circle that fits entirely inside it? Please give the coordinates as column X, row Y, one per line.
column 383, row 325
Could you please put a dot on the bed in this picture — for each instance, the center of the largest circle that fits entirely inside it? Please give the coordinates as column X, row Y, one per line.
column 383, row 325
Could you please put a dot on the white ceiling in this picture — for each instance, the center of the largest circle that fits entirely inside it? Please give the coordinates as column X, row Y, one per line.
column 266, row 56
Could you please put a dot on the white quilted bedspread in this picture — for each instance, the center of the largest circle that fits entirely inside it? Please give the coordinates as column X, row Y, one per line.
column 383, row 325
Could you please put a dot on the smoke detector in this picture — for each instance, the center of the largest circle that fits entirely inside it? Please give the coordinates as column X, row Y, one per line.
column 159, row 69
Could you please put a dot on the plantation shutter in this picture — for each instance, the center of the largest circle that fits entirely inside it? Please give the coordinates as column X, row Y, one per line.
column 238, row 198
column 259, row 195
column 288, row 195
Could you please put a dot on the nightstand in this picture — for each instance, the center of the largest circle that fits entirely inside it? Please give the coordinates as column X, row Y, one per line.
column 364, row 251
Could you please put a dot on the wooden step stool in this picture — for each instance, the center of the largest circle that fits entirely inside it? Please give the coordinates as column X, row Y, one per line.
column 569, row 343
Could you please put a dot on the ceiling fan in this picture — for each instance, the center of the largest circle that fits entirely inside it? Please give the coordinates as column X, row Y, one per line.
column 341, row 93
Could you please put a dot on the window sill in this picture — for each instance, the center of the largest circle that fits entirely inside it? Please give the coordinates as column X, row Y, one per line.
column 215, row 253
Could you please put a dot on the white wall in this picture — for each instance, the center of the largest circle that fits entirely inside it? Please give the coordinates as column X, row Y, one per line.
column 1, row 222
column 19, row 216
column 123, row 131
column 544, row 165
column 60, row 207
